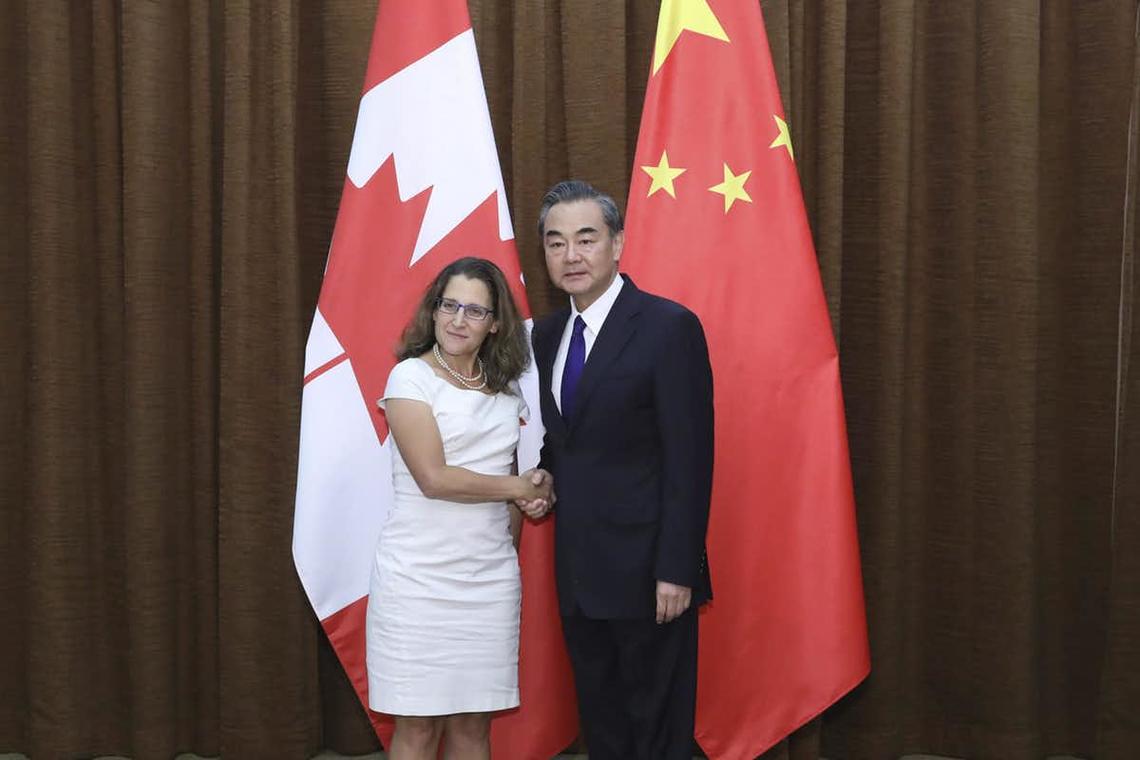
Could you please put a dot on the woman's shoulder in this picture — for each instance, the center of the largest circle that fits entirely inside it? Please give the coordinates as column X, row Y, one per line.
column 413, row 367
column 518, row 403
column 412, row 378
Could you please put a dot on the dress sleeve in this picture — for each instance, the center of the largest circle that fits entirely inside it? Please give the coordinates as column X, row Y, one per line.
column 524, row 410
column 410, row 379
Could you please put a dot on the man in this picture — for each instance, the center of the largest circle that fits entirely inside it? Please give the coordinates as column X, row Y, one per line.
column 626, row 397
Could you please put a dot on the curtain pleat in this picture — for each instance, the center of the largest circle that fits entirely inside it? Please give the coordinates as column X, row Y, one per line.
column 171, row 179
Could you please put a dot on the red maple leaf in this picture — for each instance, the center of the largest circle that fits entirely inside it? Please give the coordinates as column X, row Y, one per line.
column 370, row 292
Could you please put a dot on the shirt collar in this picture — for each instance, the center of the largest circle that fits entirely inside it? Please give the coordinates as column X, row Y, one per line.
column 595, row 314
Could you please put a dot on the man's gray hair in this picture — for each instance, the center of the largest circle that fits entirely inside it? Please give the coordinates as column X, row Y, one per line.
column 571, row 190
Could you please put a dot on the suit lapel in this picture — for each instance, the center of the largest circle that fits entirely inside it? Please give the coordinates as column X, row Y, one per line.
column 619, row 327
column 545, row 350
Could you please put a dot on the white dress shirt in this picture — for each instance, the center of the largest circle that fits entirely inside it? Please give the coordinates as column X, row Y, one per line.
column 594, row 316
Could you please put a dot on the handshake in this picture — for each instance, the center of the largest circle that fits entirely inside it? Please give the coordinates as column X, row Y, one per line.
column 536, row 493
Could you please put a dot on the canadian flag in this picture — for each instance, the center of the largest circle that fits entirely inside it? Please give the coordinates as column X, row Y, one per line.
column 423, row 188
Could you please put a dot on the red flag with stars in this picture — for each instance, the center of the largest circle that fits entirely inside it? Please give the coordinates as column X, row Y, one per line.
column 423, row 187
column 716, row 221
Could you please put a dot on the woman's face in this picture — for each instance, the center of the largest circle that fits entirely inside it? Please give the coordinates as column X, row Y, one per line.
column 459, row 334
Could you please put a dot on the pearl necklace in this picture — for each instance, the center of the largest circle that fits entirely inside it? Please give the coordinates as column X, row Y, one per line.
column 467, row 382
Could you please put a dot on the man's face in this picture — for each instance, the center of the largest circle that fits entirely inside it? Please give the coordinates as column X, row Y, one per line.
column 581, row 254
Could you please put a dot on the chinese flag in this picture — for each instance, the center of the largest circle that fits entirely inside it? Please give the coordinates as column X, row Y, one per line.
column 716, row 221
column 423, row 187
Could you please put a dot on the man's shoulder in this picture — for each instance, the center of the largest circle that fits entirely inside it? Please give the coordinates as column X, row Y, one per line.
column 543, row 325
column 662, row 307
column 550, row 319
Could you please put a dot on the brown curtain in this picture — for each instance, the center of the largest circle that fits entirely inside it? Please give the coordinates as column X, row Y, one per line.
column 170, row 179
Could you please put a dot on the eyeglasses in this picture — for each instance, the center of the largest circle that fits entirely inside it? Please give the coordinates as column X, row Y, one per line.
column 471, row 311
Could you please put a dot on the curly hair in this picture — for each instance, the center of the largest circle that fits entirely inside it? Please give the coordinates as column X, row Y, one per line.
column 505, row 354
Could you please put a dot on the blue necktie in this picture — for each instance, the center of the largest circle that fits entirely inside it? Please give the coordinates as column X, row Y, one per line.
column 572, row 372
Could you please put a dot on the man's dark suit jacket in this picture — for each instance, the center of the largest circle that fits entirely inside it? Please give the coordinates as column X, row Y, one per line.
column 633, row 468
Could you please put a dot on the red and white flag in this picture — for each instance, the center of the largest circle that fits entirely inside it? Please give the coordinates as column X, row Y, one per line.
column 716, row 221
column 423, row 188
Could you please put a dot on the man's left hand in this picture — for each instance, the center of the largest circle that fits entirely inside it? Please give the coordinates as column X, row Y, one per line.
column 672, row 600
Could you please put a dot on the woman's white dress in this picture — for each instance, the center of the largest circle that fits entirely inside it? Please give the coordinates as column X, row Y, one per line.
column 443, row 607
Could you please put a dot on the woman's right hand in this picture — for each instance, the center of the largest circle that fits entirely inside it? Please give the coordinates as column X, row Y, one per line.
column 536, row 493
column 528, row 491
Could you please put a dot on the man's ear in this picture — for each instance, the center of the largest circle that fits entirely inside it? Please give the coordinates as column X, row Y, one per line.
column 619, row 244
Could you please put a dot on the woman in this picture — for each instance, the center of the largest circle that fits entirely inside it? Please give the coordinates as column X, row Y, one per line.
column 443, row 610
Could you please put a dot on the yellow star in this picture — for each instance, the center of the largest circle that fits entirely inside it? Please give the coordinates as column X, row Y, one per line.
column 733, row 188
column 679, row 15
column 784, row 139
column 663, row 175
